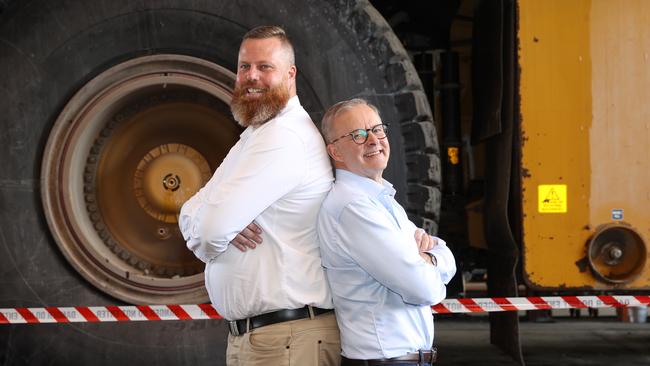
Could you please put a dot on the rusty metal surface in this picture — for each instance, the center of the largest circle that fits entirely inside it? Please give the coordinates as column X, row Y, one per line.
column 585, row 151
column 143, row 163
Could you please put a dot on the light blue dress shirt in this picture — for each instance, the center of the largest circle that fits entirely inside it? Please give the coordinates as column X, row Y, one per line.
column 382, row 289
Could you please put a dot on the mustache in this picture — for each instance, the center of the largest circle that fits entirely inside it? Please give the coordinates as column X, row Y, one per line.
column 253, row 84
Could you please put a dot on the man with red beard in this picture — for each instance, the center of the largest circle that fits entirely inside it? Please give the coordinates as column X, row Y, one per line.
column 254, row 222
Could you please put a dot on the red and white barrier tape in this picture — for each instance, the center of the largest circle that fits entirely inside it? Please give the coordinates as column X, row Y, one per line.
column 80, row 314
column 486, row 305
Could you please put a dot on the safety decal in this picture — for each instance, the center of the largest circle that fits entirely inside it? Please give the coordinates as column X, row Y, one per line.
column 552, row 198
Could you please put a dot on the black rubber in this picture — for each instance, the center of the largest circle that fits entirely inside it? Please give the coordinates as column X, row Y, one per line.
column 50, row 49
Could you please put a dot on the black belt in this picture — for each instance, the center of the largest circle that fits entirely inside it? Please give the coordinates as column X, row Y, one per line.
column 421, row 357
column 239, row 327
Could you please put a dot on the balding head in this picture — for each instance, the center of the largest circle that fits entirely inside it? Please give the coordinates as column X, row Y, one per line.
column 356, row 138
column 339, row 108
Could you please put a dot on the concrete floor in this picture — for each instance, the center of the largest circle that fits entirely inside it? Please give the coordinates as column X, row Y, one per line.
column 564, row 341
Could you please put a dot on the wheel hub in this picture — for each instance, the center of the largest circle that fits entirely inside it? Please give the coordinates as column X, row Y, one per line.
column 166, row 177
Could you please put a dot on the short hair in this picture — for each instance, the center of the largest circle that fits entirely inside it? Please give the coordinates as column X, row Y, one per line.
column 338, row 108
column 272, row 31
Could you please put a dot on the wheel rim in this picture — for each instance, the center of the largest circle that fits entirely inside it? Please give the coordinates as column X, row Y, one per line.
column 128, row 149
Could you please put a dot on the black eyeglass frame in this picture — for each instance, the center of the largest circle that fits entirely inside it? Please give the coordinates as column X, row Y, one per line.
column 367, row 132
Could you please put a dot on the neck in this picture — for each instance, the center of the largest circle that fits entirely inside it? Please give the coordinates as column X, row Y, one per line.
column 377, row 178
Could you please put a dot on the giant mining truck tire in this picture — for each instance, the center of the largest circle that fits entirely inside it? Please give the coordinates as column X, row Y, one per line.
column 115, row 112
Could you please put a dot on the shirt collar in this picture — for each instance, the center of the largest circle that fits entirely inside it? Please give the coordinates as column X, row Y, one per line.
column 365, row 184
column 292, row 103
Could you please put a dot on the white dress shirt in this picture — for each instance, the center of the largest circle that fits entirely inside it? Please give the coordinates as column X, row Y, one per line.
column 277, row 174
column 382, row 288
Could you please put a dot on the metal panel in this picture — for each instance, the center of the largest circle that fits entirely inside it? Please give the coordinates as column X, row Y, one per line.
column 585, row 126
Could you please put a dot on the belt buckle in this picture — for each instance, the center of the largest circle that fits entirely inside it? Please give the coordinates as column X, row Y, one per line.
column 233, row 328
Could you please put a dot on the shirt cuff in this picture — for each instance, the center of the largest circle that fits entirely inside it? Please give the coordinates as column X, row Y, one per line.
column 434, row 261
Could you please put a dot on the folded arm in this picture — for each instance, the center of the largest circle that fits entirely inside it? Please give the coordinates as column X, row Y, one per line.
column 442, row 257
column 267, row 169
column 445, row 262
column 371, row 239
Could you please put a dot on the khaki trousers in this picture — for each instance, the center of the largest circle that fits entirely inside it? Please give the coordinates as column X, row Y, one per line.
column 304, row 342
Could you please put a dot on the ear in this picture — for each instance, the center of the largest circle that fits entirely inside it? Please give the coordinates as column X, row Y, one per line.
column 334, row 153
column 292, row 72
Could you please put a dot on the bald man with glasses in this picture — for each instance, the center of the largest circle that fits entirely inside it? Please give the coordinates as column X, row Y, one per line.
column 384, row 272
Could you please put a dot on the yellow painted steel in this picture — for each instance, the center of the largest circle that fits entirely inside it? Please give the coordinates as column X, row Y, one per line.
column 584, row 88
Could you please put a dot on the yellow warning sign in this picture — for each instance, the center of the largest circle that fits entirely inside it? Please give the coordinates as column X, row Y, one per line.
column 552, row 198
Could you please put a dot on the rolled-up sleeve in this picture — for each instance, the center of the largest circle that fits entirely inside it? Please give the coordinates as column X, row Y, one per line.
column 267, row 167
column 374, row 242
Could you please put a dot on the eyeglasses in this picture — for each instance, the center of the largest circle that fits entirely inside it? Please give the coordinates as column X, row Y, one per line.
column 360, row 136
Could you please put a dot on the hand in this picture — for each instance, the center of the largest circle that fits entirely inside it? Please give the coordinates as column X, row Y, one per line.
column 424, row 241
column 248, row 238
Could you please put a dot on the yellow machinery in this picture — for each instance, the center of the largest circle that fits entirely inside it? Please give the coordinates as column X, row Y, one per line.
column 585, row 143
column 553, row 94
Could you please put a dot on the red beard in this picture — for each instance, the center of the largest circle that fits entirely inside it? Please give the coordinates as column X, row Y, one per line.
column 257, row 111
